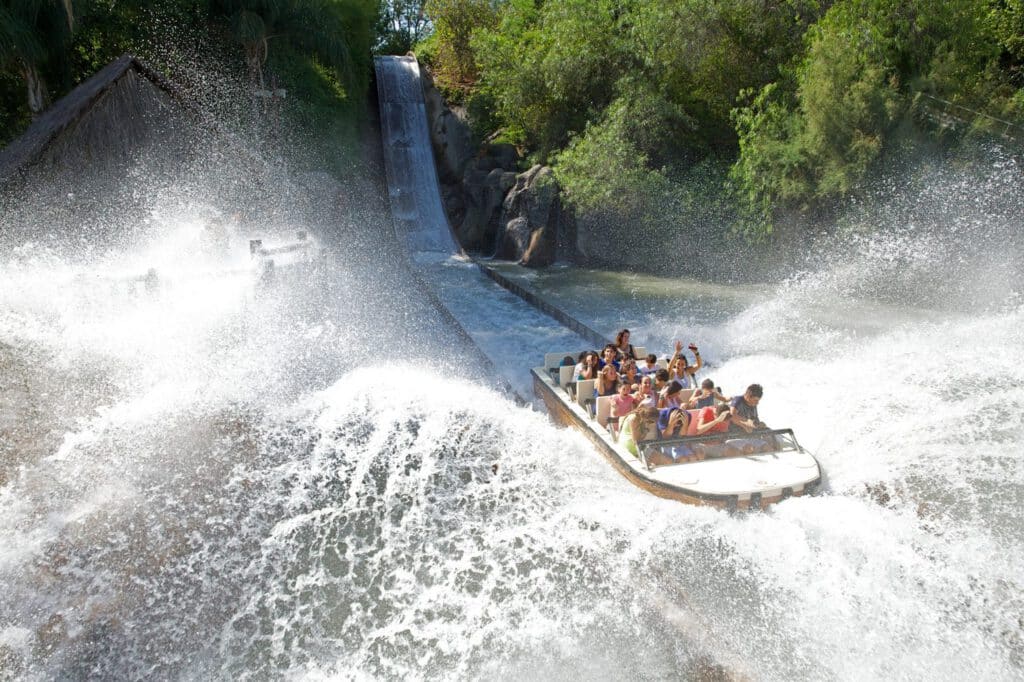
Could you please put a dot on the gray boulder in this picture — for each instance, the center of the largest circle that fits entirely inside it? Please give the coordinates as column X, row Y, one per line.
column 483, row 193
column 449, row 133
column 533, row 224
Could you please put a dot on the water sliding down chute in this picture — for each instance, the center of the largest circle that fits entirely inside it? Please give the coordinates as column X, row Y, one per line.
column 413, row 191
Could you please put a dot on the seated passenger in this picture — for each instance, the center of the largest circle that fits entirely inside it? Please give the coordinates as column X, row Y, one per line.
column 629, row 373
column 640, row 425
column 670, row 396
column 622, row 404
column 708, row 420
column 567, row 361
column 623, row 347
column 672, row 422
column 680, row 370
column 645, row 395
column 660, row 380
column 744, row 410
column 607, row 381
column 609, row 356
column 706, row 396
column 591, row 366
column 650, row 365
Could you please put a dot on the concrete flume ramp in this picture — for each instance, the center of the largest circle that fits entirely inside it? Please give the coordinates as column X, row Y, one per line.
column 411, row 174
column 511, row 333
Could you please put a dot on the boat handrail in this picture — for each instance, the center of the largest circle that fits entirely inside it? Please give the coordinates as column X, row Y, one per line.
column 717, row 439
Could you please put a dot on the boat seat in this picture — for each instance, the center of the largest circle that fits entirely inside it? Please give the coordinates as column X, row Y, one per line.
column 565, row 376
column 585, row 392
column 641, row 353
column 604, row 409
column 553, row 360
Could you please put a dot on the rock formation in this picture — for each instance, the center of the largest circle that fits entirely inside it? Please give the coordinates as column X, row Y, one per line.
column 494, row 210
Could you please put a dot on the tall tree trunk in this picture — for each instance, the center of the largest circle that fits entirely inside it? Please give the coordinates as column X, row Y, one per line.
column 36, row 89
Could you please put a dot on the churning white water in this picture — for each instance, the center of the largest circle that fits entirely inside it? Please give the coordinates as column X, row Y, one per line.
column 222, row 480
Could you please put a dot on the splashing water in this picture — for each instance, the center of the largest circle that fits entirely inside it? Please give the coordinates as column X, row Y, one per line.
column 219, row 481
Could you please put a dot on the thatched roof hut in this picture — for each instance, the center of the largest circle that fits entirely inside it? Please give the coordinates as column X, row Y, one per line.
column 104, row 119
column 96, row 159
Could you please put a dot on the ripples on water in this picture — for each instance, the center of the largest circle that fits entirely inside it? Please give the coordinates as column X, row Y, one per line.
column 227, row 485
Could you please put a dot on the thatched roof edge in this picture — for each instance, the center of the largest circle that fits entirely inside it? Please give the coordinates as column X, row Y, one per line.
column 22, row 152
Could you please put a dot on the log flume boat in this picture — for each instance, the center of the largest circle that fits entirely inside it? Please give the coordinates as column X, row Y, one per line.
column 737, row 472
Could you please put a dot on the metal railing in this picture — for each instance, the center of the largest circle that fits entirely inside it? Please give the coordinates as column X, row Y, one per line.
column 950, row 114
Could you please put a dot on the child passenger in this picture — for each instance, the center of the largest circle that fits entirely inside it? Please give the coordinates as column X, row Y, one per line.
column 706, row 396
column 650, row 365
column 645, row 395
column 629, row 374
column 622, row 404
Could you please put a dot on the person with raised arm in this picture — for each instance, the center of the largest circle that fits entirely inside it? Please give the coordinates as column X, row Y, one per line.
column 673, row 422
column 706, row 396
column 590, row 367
column 682, row 371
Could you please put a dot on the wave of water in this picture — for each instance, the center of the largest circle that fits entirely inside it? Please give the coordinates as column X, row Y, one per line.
column 232, row 484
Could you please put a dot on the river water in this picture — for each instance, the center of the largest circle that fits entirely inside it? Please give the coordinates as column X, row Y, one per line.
column 317, row 480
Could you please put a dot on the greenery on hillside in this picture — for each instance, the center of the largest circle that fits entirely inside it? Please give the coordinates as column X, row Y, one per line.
column 742, row 114
column 734, row 112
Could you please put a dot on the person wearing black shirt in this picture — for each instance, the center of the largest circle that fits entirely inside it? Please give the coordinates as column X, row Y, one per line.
column 744, row 410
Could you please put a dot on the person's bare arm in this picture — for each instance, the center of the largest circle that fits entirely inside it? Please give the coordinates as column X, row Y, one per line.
column 703, row 427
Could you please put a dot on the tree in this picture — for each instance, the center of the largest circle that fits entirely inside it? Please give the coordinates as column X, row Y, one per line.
column 815, row 137
column 32, row 33
column 455, row 22
column 315, row 26
column 400, row 25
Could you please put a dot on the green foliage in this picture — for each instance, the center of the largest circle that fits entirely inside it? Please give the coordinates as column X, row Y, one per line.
column 455, row 22
column 34, row 36
column 816, row 137
column 643, row 90
column 401, row 24
column 319, row 116
column 549, row 70
column 607, row 174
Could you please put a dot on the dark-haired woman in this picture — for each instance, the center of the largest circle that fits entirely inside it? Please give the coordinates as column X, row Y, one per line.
column 589, row 367
column 623, row 347
column 682, row 371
